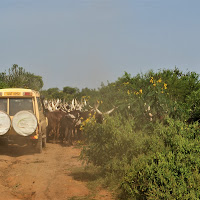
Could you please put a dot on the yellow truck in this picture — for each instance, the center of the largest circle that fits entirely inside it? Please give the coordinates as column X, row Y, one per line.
column 22, row 117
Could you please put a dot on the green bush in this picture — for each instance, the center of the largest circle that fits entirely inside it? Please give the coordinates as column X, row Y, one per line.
column 113, row 144
column 148, row 146
column 170, row 174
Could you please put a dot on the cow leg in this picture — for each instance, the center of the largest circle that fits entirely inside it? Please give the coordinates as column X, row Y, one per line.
column 74, row 133
column 57, row 134
column 70, row 136
column 62, row 135
column 50, row 133
column 79, row 133
column 65, row 135
column 54, row 135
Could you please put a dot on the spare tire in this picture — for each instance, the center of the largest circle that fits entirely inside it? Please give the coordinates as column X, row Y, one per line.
column 5, row 123
column 24, row 123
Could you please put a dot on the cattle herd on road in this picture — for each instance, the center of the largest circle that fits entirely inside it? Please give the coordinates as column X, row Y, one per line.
column 64, row 120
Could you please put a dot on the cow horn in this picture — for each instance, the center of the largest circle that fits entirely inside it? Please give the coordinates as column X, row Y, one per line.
column 98, row 111
column 110, row 111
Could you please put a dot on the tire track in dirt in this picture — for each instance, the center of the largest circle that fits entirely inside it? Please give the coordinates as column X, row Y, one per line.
column 26, row 175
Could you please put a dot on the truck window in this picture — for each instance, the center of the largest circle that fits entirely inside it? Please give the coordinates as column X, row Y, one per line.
column 3, row 105
column 18, row 104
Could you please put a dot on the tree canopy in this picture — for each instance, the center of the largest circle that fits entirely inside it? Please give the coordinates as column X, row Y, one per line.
column 17, row 77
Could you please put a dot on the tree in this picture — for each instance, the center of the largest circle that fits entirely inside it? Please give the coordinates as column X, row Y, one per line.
column 54, row 93
column 70, row 90
column 3, row 83
column 18, row 78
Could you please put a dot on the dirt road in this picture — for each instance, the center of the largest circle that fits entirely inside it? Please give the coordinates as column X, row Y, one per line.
column 46, row 176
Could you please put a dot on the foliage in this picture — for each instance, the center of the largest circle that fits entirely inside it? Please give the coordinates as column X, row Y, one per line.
column 148, row 146
column 170, row 174
column 193, row 105
column 70, row 90
column 52, row 93
column 3, row 83
column 17, row 77
column 163, row 165
column 112, row 144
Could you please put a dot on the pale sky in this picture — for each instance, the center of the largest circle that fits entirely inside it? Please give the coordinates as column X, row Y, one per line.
column 81, row 43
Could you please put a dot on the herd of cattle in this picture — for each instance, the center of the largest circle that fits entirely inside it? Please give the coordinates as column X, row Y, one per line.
column 65, row 120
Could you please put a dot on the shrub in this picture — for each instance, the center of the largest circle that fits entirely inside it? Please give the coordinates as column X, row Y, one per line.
column 170, row 174
column 113, row 144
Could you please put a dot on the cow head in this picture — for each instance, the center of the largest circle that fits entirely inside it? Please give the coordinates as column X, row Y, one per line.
column 99, row 116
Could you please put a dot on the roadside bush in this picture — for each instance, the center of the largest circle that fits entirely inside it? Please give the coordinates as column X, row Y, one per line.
column 170, row 174
column 149, row 147
column 113, row 144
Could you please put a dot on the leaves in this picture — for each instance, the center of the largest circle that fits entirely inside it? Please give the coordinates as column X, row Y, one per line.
column 17, row 77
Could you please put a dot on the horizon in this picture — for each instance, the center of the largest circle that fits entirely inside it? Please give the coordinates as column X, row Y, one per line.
column 86, row 42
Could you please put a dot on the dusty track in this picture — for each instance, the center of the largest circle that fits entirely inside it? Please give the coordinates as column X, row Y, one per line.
column 46, row 176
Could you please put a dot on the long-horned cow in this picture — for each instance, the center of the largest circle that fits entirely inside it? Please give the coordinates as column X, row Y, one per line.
column 53, row 129
column 63, row 118
column 54, row 115
column 99, row 116
column 67, row 126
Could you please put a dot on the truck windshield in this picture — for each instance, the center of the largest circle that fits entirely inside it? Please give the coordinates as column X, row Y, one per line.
column 17, row 104
column 3, row 105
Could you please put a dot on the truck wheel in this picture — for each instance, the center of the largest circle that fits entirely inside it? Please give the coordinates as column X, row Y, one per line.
column 39, row 144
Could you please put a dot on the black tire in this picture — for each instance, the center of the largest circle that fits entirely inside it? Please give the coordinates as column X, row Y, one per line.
column 38, row 146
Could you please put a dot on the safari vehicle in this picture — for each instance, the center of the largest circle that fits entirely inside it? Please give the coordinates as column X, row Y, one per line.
column 22, row 118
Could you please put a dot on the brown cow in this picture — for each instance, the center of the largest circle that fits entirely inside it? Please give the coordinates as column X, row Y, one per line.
column 53, row 128
column 67, row 126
